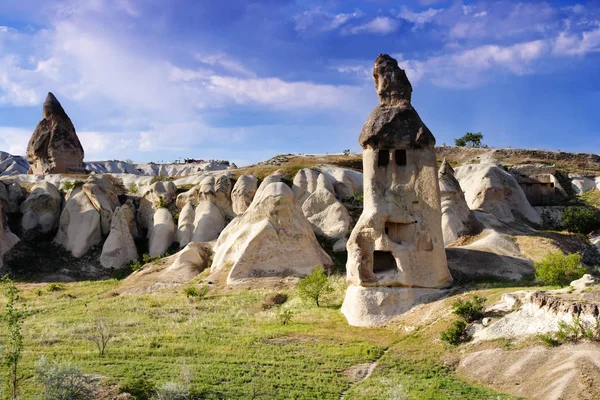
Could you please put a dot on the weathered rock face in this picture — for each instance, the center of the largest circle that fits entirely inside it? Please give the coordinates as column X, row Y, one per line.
column 12, row 165
column 80, row 224
column 208, row 222
column 398, row 239
column 185, row 225
column 7, row 238
column 346, row 182
column 54, row 147
column 243, row 193
column 119, row 248
column 87, row 215
column 41, row 211
column 327, row 216
column 306, row 183
column 162, row 232
column 491, row 189
column 272, row 238
column 457, row 219
column 169, row 272
column 217, row 190
column 159, row 192
column 273, row 178
column 11, row 197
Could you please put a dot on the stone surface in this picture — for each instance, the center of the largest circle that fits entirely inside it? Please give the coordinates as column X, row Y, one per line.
column 217, row 190
column 162, row 233
column 12, row 165
column 185, row 225
column 327, row 216
column 169, row 272
column 243, row 193
column 582, row 184
column 489, row 188
column 7, row 238
column 584, row 282
column 273, row 178
column 208, row 222
column 80, row 224
column 119, row 248
column 372, row 306
column 398, row 239
column 54, row 147
column 346, row 182
column 163, row 192
column 272, row 238
column 457, row 219
column 306, row 182
column 11, row 197
column 41, row 211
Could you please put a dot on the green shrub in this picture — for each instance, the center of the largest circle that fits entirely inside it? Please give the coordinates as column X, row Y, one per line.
column 347, row 152
column 285, row 316
column 161, row 203
column 559, row 269
column 140, row 387
column 548, row 340
column 63, row 381
column 577, row 330
column 55, row 287
column 191, row 291
column 159, row 178
column 134, row 189
column 315, row 285
column 469, row 310
column 456, row 334
column 68, row 185
column 135, row 265
column 580, row 220
column 172, row 391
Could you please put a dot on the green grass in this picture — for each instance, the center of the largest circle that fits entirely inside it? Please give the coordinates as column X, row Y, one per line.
column 229, row 344
column 591, row 198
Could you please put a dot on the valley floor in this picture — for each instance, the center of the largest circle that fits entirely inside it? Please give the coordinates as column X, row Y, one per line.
column 233, row 349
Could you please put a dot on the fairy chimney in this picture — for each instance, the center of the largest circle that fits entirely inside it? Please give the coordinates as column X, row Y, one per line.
column 398, row 239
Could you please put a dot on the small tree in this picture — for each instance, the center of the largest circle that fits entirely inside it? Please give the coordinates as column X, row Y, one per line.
column 315, row 285
column 470, row 139
column 101, row 334
column 470, row 310
column 13, row 346
column 559, row 269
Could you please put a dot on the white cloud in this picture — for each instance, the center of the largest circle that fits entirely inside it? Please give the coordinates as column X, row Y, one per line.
column 225, row 61
column 577, row 45
column 419, row 19
column 14, row 140
column 318, row 20
column 378, row 25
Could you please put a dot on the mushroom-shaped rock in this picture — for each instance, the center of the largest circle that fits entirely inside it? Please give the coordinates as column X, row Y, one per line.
column 79, row 226
column 162, row 232
column 457, row 219
column 243, row 193
column 119, row 248
column 54, row 147
column 7, row 238
column 41, row 210
column 185, row 225
column 327, row 216
column 272, row 238
column 208, row 222
column 158, row 194
column 169, row 272
column 489, row 188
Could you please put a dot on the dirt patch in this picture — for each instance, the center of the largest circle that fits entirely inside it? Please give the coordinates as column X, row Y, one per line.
column 566, row 372
column 358, row 372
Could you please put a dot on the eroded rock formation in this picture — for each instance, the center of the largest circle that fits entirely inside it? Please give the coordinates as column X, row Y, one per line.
column 119, row 248
column 272, row 238
column 41, row 211
column 457, row 218
column 54, row 147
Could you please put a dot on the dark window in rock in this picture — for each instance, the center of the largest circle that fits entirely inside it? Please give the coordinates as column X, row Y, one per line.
column 383, row 158
column 552, row 184
column 401, row 157
column 383, row 261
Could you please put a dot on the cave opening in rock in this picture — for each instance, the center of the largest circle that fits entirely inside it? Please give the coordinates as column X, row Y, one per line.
column 383, row 261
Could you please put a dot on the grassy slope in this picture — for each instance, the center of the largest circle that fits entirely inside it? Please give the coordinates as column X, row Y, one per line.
column 232, row 348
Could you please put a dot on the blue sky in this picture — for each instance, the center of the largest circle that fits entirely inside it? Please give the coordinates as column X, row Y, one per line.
column 246, row 79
